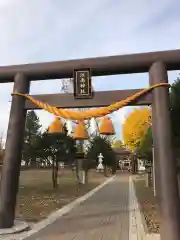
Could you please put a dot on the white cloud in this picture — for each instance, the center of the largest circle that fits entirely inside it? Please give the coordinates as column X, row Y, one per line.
column 46, row 30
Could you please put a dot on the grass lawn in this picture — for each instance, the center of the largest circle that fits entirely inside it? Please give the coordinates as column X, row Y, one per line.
column 37, row 199
column 148, row 204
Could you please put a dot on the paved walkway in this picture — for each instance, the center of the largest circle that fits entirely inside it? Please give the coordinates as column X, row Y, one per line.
column 104, row 216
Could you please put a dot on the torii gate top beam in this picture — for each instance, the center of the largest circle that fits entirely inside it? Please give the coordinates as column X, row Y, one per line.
column 121, row 64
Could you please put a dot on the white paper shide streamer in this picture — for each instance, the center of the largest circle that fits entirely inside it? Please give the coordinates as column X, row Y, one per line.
column 69, row 127
column 122, row 115
column 93, row 125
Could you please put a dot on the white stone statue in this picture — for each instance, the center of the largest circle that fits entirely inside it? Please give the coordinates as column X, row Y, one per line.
column 100, row 166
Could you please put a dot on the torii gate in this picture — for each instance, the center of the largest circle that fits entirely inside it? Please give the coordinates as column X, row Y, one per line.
column 156, row 63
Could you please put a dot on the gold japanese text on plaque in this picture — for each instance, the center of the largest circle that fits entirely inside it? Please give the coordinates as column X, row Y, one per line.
column 82, row 84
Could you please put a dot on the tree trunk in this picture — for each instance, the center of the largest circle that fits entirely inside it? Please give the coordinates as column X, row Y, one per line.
column 113, row 169
column 26, row 163
column 33, row 164
column 78, row 163
column 134, row 164
column 55, row 174
column 149, row 178
column 85, row 171
column 86, row 176
column 105, row 171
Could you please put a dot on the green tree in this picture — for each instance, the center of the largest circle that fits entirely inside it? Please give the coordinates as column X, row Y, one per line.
column 117, row 144
column 101, row 145
column 175, row 118
column 32, row 133
column 175, row 112
column 53, row 148
column 144, row 150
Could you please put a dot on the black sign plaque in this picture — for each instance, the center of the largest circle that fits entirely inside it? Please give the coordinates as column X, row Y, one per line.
column 82, row 84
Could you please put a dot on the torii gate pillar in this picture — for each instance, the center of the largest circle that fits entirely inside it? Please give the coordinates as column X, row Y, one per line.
column 13, row 152
column 166, row 176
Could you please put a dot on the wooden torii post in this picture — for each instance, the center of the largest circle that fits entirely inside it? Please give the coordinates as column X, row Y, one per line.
column 155, row 63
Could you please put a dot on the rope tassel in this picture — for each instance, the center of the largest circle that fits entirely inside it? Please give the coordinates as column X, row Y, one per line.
column 92, row 113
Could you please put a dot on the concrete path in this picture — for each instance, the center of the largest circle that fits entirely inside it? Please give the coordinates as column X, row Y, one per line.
column 104, row 216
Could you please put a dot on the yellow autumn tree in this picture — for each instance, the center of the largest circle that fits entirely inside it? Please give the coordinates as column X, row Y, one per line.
column 135, row 127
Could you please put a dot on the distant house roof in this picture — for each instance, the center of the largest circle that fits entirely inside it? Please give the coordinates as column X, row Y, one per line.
column 122, row 151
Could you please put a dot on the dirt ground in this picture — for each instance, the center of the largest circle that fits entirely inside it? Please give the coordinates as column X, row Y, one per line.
column 37, row 199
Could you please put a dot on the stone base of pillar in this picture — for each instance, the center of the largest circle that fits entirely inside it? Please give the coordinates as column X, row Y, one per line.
column 19, row 226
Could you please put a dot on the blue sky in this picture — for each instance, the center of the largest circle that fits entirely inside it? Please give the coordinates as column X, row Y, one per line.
column 50, row 30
